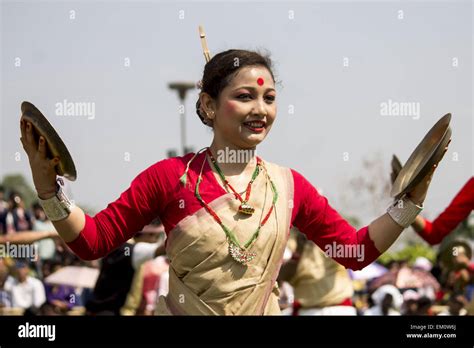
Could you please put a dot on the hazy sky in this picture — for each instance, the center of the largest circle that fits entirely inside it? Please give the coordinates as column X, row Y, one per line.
column 338, row 62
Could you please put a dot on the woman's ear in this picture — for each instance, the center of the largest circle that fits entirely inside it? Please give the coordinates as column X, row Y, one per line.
column 207, row 105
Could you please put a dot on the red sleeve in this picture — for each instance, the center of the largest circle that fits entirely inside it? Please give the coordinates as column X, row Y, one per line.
column 313, row 216
column 458, row 210
column 143, row 201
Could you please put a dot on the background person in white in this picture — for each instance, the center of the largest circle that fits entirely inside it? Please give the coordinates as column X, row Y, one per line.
column 26, row 291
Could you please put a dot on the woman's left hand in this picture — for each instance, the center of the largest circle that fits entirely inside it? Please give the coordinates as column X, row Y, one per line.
column 418, row 194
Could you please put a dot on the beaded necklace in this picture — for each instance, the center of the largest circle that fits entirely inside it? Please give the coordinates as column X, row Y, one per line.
column 240, row 253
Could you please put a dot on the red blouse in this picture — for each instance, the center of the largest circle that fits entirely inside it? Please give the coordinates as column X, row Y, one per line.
column 157, row 192
column 459, row 209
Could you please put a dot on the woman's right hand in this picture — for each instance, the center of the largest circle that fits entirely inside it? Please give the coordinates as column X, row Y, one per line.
column 42, row 169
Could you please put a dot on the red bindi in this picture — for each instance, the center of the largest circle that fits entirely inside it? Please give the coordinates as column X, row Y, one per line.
column 260, row 81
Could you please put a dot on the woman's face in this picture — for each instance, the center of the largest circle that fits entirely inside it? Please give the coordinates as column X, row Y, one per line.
column 246, row 108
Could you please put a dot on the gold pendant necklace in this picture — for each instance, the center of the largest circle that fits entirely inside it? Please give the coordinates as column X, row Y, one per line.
column 245, row 207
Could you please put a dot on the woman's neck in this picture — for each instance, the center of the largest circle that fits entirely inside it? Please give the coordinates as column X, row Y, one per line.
column 233, row 160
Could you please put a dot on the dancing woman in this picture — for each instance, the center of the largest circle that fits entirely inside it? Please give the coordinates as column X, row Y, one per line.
column 227, row 221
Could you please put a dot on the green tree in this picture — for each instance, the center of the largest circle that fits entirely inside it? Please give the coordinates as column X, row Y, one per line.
column 409, row 253
column 18, row 183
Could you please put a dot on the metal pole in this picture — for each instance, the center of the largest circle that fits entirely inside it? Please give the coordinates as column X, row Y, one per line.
column 183, row 128
column 182, row 88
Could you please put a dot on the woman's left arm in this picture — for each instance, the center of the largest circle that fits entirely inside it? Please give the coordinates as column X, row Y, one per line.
column 352, row 248
column 384, row 230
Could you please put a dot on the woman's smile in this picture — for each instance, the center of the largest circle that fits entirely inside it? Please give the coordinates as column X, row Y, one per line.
column 255, row 126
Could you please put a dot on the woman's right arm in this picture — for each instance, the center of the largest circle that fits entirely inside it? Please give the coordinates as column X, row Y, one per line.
column 44, row 179
column 93, row 237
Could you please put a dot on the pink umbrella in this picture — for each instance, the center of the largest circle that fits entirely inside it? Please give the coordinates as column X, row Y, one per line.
column 77, row 277
column 407, row 278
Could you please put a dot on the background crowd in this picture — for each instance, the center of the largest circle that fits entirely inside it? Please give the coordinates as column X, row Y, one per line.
column 129, row 280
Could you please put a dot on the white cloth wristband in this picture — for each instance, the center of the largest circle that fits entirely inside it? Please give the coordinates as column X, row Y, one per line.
column 57, row 207
column 404, row 211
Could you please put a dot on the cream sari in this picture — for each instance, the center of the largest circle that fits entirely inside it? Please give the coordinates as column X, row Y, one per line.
column 203, row 277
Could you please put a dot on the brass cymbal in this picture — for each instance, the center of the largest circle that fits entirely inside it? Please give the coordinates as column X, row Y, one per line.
column 429, row 152
column 55, row 146
column 396, row 167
